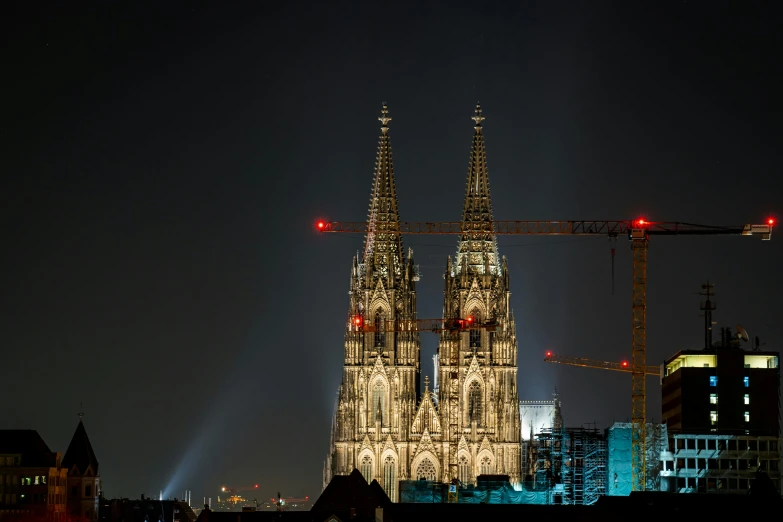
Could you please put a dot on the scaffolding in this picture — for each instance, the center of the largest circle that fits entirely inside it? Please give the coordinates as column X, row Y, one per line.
column 570, row 463
column 588, row 465
column 550, row 457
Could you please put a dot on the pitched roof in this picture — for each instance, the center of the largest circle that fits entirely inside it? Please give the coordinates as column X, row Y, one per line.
column 80, row 453
column 346, row 492
column 30, row 445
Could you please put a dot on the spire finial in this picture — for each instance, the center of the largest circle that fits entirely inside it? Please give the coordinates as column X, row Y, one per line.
column 426, row 383
column 384, row 119
column 477, row 117
column 81, row 411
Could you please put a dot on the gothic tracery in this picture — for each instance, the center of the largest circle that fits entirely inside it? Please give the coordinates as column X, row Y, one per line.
column 385, row 425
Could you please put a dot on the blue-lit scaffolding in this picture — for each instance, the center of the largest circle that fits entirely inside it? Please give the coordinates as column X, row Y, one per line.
column 619, row 468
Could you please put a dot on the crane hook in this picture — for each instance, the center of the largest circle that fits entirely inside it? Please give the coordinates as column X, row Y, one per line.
column 613, row 241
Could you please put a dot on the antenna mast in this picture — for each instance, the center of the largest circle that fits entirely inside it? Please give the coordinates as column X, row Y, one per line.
column 707, row 306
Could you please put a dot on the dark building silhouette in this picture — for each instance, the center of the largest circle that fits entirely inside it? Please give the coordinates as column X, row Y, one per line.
column 32, row 481
column 145, row 510
column 83, row 490
column 725, row 390
column 721, row 408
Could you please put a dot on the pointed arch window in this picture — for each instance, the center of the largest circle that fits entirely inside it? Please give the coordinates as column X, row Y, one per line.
column 366, row 468
column 426, row 470
column 380, row 335
column 474, row 402
column 378, row 405
column 390, row 477
column 464, row 469
column 486, row 466
column 475, row 335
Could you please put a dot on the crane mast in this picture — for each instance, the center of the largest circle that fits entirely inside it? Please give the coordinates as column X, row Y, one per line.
column 638, row 232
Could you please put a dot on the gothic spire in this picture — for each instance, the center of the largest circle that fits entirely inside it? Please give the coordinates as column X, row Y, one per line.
column 382, row 250
column 478, row 242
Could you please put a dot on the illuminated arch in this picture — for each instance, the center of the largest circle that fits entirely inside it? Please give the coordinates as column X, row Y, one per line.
column 378, row 393
column 486, row 462
column 425, row 466
column 475, row 403
column 390, row 474
column 465, row 471
column 476, row 307
column 381, row 313
column 367, row 465
column 466, row 397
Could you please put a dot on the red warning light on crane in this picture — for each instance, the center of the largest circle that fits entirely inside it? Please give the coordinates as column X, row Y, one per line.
column 771, row 221
column 549, row 354
column 256, row 486
column 320, row 225
column 624, row 364
column 641, row 222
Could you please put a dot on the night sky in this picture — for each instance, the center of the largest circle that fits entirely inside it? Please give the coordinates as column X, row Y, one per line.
column 163, row 166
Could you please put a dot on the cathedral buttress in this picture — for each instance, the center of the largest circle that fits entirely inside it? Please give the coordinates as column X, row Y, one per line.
column 379, row 393
column 477, row 369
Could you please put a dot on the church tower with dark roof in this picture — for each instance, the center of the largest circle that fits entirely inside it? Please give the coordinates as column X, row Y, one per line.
column 84, row 476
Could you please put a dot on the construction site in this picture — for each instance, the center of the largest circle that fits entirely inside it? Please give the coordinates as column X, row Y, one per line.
column 461, row 443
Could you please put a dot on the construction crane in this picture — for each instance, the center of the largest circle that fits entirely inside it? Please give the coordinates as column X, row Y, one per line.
column 357, row 324
column 281, row 503
column 638, row 232
column 233, row 493
column 622, row 366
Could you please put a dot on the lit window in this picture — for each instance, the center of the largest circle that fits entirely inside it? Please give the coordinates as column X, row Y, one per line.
column 747, row 381
column 713, row 417
column 713, row 398
column 747, row 416
column 747, row 399
column 713, row 380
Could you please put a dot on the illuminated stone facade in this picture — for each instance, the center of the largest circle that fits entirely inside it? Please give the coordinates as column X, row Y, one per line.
column 385, row 425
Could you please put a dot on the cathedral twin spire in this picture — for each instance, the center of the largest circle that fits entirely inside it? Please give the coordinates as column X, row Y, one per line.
column 382, row 249
column 477, row 240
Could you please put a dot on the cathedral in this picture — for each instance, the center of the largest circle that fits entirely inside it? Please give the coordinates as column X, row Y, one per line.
column 468, row 424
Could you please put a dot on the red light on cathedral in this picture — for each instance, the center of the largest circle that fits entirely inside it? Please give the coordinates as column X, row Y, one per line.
column 357, row 320
column 624, row 364
column 470, row 319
